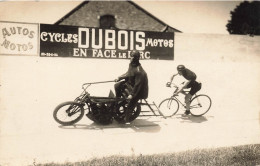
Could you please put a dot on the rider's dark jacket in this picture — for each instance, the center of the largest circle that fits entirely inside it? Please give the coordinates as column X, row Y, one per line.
column 137, row 77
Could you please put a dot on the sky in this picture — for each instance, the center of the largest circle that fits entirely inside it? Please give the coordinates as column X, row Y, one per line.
column 208, row 17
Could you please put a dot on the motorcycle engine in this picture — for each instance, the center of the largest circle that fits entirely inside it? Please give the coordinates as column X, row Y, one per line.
column 101, row 113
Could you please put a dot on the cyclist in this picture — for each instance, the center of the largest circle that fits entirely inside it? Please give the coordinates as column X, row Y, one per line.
column 189, row 83
column 136, row 83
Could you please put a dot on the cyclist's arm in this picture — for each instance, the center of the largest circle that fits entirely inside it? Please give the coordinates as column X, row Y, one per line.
column 123, row 76
column 172, row 77
column 180, row 89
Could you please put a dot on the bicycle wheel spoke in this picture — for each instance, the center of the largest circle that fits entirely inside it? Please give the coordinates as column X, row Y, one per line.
column 198, row 105
column 68, row 114
column 169, row 104
column 74, row 111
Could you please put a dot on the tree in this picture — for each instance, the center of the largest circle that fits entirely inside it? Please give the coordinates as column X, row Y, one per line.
column 245, row 19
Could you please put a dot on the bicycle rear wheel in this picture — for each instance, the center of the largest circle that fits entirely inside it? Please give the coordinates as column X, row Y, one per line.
column 68, row 113
column 200, row 105
column 169, row 107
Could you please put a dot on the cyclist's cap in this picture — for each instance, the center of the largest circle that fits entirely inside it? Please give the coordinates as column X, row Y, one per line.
column 180, row 67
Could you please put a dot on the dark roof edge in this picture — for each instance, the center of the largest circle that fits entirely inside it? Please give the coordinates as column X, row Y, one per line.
column 134, row 4
column 71, row 12
column 149, row 14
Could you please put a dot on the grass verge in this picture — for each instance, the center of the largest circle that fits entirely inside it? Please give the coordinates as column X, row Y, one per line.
column 246, row 155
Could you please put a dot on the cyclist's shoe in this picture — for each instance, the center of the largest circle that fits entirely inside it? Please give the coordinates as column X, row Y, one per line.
column 187, row 112
column 126, row 119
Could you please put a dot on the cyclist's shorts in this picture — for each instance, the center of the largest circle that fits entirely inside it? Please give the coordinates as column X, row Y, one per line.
column 195, row 87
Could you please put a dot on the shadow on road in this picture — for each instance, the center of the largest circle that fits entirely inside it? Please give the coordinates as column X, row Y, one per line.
column 192, row 119
column 138, row 125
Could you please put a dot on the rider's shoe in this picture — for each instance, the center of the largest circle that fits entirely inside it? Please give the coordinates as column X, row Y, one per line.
column 126, row 118
column 187, row 112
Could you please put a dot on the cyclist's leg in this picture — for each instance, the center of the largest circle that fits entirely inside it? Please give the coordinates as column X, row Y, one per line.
column 182, row 92
column 131, row 105
column 187, row 101
column 118, row 88
column 195, row 87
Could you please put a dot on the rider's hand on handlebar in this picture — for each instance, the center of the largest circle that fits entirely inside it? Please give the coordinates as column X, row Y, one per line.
column 168, row 84
column 129, row 97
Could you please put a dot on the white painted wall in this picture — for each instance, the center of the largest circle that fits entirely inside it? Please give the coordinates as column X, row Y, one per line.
column 216, row 48
column 211, row 57
column 31, row 86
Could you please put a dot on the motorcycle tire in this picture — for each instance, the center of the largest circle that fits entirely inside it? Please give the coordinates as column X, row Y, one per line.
column 71, row 110
column 120, row 113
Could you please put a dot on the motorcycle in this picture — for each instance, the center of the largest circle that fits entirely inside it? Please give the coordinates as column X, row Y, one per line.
column 101, row 110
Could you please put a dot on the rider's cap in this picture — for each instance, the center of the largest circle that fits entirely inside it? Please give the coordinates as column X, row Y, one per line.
column 135, row 54
column 180, row 67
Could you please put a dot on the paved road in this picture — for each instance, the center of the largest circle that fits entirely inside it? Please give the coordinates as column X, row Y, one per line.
column 32, row 87
column 48, row 142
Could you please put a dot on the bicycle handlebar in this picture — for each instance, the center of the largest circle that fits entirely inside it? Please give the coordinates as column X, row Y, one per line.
column 171, row 83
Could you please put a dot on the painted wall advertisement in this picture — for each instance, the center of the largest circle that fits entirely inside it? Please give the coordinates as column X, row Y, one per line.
column 18, row 38
column 84, row 42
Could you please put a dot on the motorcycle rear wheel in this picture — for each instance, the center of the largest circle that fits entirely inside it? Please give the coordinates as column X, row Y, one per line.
column 120, row 113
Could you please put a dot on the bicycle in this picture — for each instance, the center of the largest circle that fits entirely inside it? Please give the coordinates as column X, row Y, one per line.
column 199, row 104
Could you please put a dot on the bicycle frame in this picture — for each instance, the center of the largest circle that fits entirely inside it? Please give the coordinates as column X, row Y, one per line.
column 199, row 104
column 185, row 92
column 191, row 106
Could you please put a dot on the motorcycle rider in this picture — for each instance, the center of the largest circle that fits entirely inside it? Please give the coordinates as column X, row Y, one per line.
column 136, row 81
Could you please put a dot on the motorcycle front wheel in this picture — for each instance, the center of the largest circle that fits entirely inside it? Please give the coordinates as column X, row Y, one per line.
column 68, row 113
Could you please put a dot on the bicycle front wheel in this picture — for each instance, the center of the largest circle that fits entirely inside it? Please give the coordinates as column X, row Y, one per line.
column 68, row 113
column 200, row 105
column 169, row 107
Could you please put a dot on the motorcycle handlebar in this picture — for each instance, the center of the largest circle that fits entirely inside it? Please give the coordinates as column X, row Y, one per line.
column 97, row 82
column 89, row 83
